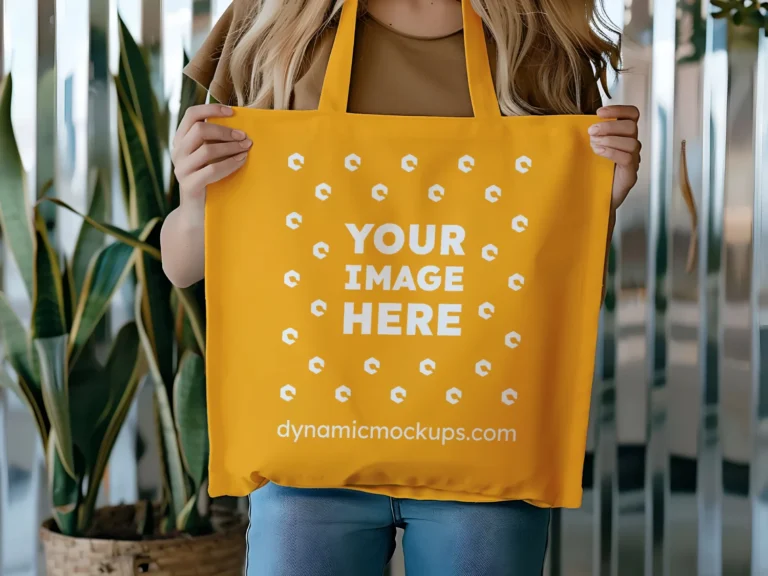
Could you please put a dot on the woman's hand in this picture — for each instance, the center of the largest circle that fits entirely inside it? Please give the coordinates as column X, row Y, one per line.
column 203, row 153
column 617, row 141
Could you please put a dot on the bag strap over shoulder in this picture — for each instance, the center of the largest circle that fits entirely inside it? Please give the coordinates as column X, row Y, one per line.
column 335, row 95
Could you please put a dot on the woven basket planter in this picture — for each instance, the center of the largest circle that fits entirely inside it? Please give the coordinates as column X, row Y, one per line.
column 220, row 554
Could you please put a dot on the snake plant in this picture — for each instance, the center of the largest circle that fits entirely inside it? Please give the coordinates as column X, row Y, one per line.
column 78, row 401
column 742, row 12
column 170, row 320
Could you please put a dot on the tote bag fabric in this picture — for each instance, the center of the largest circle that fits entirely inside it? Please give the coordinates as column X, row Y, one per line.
column 405, row 305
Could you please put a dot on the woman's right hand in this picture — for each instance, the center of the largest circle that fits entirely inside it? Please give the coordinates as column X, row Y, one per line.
column 202, row 153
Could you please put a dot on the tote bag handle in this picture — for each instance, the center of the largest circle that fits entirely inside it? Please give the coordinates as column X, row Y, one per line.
column 335, row 94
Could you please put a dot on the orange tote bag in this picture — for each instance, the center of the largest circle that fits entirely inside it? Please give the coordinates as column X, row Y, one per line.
column 405, row 305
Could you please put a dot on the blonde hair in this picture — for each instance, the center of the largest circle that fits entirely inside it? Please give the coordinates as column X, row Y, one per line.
column 551, row 54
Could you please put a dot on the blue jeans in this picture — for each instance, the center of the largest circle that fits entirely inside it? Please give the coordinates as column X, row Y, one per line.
column 300, row 532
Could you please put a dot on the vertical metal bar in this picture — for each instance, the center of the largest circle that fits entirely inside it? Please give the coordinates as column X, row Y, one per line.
column 735, row 366
column 177, row 29
column 102, row 130
column 46, row 102
column 152, row 41
column 681, row 307
column 605, row 474
column 631, row 244
column 709, row 470
column 201, row 22
column 4, row 523
column 219, row 6
column 606, row 481
column 22, row 448
column 2, row 44
column 662, row 134
column 759, row 304
column 130, row 13
column 71, row 143
column 3, row 393
column 20, row 41
column 153, row 24
column 103, row 152
column 102, row 111
column 46, row 96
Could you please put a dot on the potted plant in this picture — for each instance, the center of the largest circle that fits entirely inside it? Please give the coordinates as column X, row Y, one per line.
column 171, row 327
column 79, row 403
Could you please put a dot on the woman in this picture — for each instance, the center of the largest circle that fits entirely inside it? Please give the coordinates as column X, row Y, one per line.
column 409, row 60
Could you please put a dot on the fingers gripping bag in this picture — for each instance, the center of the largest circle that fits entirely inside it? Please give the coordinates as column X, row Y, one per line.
column 405, row 305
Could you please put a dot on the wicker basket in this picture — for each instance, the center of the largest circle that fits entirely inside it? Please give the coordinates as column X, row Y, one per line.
column 220, row 554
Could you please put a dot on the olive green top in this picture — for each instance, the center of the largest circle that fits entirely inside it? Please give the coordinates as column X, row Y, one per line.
column 392, row 73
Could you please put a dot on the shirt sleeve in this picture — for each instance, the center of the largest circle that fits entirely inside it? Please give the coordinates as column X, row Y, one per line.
column 209, row 67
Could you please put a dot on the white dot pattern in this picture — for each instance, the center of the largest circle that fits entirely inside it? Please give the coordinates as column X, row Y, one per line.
column 321, row 250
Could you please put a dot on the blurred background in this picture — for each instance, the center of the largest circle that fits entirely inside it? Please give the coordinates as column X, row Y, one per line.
column 676, row 474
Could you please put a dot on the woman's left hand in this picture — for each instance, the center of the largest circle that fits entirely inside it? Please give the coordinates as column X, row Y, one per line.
column 617, row 141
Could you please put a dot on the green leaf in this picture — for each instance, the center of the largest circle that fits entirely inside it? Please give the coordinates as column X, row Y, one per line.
column 22, row 393
column 192, row 94
column 15, row 215
column 172, row 464
column 190, row 408
column 137, row 100
column 48, row 296
column 189, row 307
column 157, row 312
column 68, row 286
column 89, row 402
column 177, row 479
column 65, row 488
column 90, row 239
column 122, row 374
column 163, row 122
column 168, row 519
column 125, row 186
column 107, row 271
column 193, row 315
column 189, row 520
column 46, row 188
column 146, row 344
column 10, row 384
column 738, row 18
column 54, row 376
column 185, row 336
column 16, row 341
column 183, row 518
column 174, row 193
column 145, row 198
column 145, row 518
column 46, row 124
column 756, row 20
column 19, row 355
column 131, row 238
